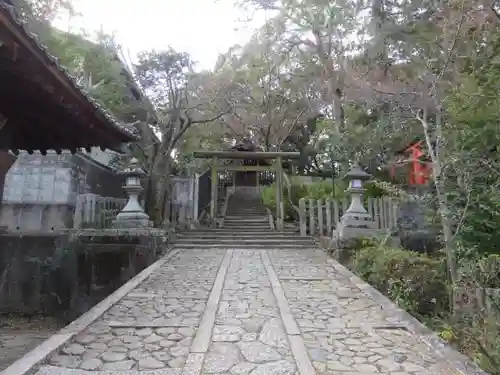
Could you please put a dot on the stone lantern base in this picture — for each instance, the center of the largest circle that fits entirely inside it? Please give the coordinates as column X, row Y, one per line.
column 132, row 219
column 132, row 223
column 356, row 225
column 353, row 228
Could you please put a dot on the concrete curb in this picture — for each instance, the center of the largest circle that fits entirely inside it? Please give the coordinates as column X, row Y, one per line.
column 457, row 361
column 31, row 361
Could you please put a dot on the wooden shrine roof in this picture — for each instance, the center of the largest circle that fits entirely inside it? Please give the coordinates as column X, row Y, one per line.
column 42, row 107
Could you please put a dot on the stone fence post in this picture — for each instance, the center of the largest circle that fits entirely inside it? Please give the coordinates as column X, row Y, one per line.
column 302, row 217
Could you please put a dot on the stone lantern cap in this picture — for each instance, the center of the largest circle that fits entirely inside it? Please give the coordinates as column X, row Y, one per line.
column 356, row 173
column 133, row 169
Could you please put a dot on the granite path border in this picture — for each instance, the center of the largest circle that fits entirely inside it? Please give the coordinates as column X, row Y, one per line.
column 201, row 341
column 32, row 360
column 460, row 362
column 299, row 352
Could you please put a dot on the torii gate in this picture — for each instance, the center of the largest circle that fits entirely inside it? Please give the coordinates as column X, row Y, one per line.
column 277, row 166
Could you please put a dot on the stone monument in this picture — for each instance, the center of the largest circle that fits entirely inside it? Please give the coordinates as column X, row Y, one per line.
column 356, row 222
column 133, row 215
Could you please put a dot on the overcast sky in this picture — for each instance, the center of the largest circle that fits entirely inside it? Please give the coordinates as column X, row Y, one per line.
column 204, row 28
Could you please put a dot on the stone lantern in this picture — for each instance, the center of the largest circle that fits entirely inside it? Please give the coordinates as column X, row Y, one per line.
column 356, row 221
column 132, row 215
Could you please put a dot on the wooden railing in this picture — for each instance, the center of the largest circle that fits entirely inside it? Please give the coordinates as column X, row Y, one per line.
column 95, row 211
column 320, row 217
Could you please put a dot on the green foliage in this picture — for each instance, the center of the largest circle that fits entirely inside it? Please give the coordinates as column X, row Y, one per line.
column 414, row 281
column 374, row 191
column 325, row 190
column 473, row 108
column 482, row 270
column 298, row 191
column 97, row 67
column 163, row 74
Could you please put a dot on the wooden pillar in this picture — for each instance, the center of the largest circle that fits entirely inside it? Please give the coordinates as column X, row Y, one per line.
column 257, row 183
column 279, row 195
column 215, row 187
column 196, row 195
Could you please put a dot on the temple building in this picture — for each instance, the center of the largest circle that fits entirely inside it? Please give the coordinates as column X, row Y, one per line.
column 46, row 119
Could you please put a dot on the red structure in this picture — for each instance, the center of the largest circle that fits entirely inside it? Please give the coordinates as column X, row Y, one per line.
column 416, row 160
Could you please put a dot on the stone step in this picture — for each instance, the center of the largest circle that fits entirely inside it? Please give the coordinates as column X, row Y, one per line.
column 232, row 219
column 243, row 215
column 232, row 233
column 246, row 217
column 243, row 241
column 239, row 223
column 296, row 246
column 268, row 235
column 245, row 224
column 246, row 214
column 264, row 228
column 248, row 228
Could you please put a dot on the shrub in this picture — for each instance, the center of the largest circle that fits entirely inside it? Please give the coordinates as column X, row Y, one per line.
column 324, row 190
column 298, row 191
column 414, row 281
column 487, row 272
column 374, row 191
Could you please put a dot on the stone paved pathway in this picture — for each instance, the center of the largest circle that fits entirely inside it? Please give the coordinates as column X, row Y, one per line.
column 247, row 312
column 19, row 335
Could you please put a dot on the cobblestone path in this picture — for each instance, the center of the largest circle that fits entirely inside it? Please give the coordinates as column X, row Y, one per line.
column 248, row 312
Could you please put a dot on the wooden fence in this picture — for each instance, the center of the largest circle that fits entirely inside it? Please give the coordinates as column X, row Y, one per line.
column 95, row 211
column 320, row 217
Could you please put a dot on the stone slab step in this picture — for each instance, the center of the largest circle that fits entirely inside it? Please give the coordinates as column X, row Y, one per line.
column 243, row 230
column 268, row 235
column 231, row 234
column 247, row 228
column 56, row 370
column 293, row 246
column 243, row 222
column 246, row 218
column 247, row 222
column 239, row 214
column 258, row 220
column 239, row 211
column 243, row 241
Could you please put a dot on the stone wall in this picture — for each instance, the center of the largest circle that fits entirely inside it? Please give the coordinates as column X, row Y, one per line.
column 6, row 161
column 40, row 191
column 37, row 274
column 65, row 276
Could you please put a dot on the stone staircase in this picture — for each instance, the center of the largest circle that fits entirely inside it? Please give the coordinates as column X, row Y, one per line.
column 246, row 225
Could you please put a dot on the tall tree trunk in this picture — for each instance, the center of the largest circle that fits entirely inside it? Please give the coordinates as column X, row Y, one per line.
column 335, row 85
column 162, row 191
column 439, row 180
